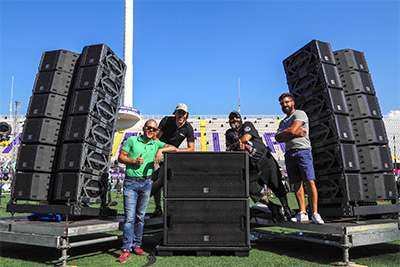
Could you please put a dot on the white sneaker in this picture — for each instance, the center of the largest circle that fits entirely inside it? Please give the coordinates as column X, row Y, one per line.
column 316, row 218
column 300, row 217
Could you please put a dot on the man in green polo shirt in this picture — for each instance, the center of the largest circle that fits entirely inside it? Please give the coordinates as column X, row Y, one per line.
column 138, row 154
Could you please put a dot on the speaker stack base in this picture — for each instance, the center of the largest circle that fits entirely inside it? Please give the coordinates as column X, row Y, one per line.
column 73, row 210
column 167, row 251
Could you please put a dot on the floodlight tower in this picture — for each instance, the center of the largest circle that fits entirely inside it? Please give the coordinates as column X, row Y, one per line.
column 127, row 115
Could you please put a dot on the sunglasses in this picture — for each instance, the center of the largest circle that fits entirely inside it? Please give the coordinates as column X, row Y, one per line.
column 151, row 128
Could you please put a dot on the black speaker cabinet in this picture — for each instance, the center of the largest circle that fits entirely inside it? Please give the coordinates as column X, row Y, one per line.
column 101, row 79
column 363, row 106
column 41, row 131
column 206, row 174
column 339, row 188
column 101, row 54
column 31, row 186
column 331, row 129
column 46, row 105
column 374, row 159
column 78, row 186
column 95, row 103
column 348, row 195
column 378, row 186
column 348, row 60
column 85, row 128
column 206, row 222
column 356, row 82
column 369, row 132
column 58, row 60
column 309, row 55
column 314, row 77
column 57, row 82
column 322, row 102
column 32, row 158
column 335, row 158
column 75, row 157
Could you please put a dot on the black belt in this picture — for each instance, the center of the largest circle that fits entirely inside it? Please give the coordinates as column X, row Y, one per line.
column 138, row 179
column 291, row 151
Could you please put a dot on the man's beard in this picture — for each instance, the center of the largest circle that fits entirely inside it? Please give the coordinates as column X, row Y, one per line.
column 287, row 110
column 235, row 125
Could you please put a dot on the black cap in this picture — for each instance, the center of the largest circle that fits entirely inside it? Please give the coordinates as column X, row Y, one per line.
column 234, row 114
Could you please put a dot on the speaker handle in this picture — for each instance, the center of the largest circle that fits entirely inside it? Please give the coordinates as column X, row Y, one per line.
column 243, row 223
column 168, row 222
column 170, row 173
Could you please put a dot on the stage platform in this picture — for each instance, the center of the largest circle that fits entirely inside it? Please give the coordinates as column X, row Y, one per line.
column 64, row 235
column 344, row 233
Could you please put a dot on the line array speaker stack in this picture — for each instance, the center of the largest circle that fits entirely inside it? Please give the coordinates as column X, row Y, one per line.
column 67, row 138
column 82, row 171
column 376, row 167
column 315, row 78
column 206, row 203
column 37, row 155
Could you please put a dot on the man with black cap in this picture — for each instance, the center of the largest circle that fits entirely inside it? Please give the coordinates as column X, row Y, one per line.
column 264, row 169
column 173, row 130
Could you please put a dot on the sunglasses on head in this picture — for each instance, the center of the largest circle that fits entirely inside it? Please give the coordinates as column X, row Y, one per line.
column 151, row 128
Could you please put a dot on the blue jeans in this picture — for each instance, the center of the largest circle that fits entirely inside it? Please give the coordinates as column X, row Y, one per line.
column 136, row 200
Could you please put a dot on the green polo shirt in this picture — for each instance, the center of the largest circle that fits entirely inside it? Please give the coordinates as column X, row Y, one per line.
column 135, row 146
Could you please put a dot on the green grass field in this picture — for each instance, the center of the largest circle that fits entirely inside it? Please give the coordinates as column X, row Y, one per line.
column 277, row 251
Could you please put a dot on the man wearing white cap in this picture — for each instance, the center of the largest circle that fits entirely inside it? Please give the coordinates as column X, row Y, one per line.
column 173, row 130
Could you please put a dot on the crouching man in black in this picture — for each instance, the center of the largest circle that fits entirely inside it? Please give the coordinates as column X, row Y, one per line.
column 264, row 169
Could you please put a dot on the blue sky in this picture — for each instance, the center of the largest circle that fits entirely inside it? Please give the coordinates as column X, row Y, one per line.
column 194, row 51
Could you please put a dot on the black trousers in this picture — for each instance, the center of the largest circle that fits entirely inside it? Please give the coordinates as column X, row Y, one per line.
column 158, row 179
column 266, row 172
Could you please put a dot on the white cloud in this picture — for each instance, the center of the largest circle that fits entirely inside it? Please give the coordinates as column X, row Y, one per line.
column 393, row 114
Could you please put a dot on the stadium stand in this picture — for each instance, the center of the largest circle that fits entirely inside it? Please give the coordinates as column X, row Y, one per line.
column 209, row 131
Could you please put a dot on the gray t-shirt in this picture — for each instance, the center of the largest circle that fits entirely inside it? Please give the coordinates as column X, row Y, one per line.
column 297, row 142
